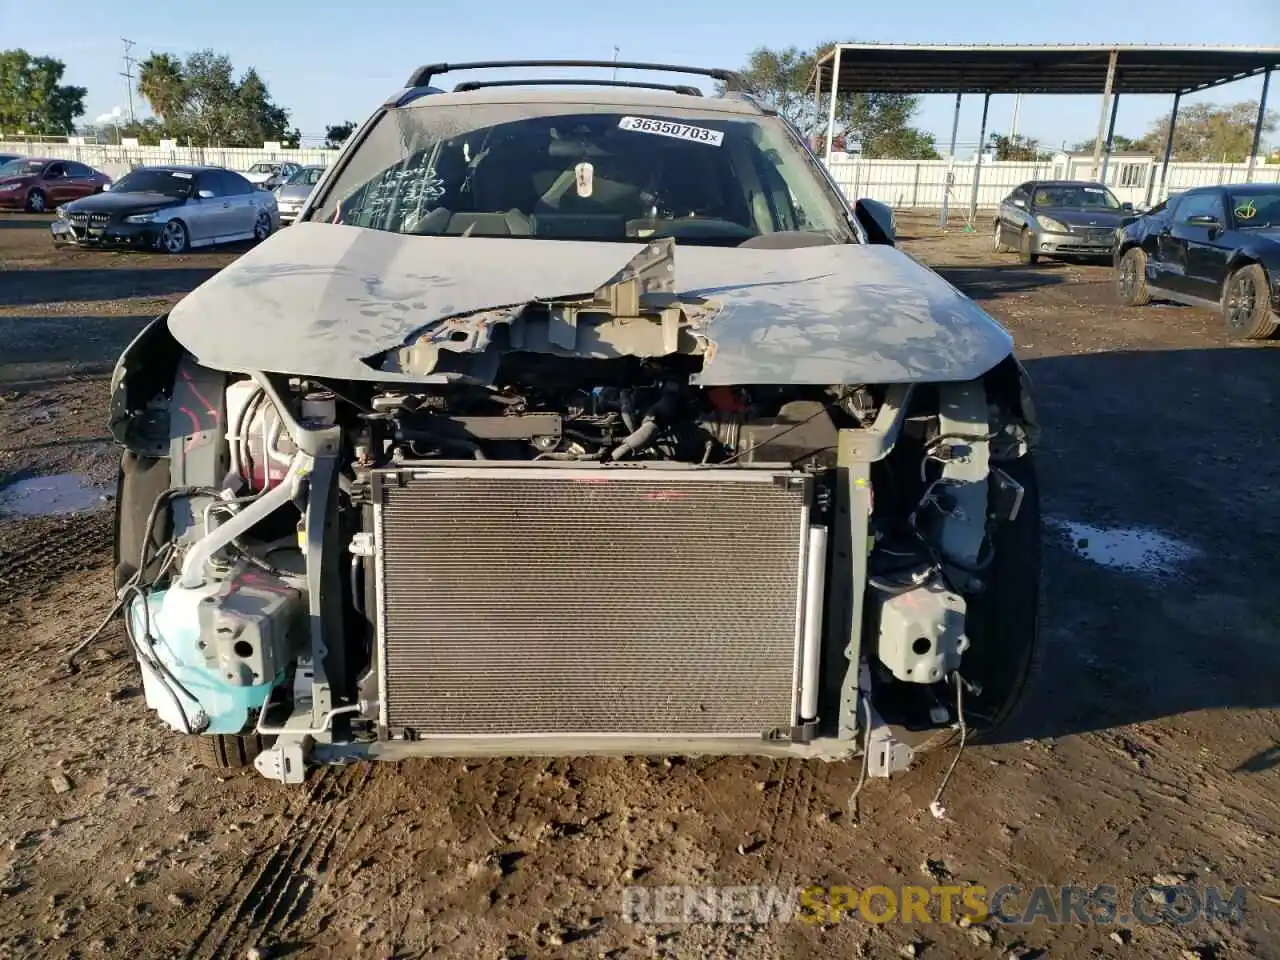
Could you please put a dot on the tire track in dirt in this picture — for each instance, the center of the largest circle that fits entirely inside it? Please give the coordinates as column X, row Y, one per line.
column 37, row 554
column 274, row 885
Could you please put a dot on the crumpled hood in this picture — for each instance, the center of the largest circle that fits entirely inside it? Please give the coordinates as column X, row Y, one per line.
column 322, row 299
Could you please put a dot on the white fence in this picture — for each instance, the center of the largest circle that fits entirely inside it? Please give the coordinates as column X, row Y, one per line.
column 904, row 184
column 115, row 161
column 901, row 183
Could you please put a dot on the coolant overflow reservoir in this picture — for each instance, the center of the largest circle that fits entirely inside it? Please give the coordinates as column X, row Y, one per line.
column 320, row 406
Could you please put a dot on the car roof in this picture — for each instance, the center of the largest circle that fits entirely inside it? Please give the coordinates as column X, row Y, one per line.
column 585, row 95
column 181, row 167
column 1248, row 189
column 1068, row 183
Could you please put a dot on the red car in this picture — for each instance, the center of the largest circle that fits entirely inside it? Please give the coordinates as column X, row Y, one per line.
column 41, row 183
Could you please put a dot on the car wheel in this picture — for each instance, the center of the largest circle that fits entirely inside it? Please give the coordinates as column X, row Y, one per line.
column 174, row 237
column 35, row 201
column 1132, row 279
column 262, row 228
column 1025, row 242
column 230, row 751
column 1246, row 306
column 998, row 245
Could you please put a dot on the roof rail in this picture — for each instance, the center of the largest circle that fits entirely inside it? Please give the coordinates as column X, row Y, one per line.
column 422, row 76
column 685, row 89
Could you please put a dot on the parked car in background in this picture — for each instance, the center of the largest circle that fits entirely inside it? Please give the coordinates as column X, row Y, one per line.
column 267, row 175
column 171, row 208
column 9, row 158
column 37, row 184
column 291, row 195
column 1059, row 217
column 1215, row 247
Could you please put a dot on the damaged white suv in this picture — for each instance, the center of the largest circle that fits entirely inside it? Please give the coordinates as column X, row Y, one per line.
column 576, row 417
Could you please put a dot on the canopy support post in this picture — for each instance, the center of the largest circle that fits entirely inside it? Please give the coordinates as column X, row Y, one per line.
column 977, row 159
column 1257, row 126
column 951, row 162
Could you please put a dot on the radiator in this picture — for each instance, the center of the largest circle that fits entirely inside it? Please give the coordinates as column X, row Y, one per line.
column 523, row 600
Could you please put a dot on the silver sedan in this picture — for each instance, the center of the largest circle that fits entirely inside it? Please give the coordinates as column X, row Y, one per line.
column 291, row 195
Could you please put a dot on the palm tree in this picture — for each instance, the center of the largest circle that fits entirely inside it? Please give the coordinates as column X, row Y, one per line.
column 161, row 83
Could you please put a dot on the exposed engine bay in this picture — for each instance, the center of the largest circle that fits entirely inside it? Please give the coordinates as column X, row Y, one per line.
column 584, row 555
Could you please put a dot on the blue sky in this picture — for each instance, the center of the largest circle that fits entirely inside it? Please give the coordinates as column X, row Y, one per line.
column 329, row 61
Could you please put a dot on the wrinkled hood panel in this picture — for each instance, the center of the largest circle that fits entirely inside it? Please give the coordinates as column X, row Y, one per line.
column 320, row 299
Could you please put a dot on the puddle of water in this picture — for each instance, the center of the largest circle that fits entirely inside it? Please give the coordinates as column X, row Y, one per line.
column 1133, row 549
column 50, row 496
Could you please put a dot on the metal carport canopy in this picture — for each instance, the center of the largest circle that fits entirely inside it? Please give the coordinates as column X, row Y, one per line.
column 1036, row 68
column 1109, row 69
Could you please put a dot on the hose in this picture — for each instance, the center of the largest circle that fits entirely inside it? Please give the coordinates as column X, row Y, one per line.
column 657, row 416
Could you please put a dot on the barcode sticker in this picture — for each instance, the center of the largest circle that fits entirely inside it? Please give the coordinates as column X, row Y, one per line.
column 669, row 128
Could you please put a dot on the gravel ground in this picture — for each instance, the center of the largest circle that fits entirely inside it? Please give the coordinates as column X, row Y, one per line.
column 1151, row 748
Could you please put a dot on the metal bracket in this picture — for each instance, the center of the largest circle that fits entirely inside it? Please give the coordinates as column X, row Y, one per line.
column 886, row 753
column 285, row 762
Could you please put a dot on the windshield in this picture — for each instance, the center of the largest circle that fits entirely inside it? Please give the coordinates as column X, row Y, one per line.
column 586, row 173
column 21, row 168
column 171, row 183
column 1088, row 197
column 1256, row 210
column 306, row 177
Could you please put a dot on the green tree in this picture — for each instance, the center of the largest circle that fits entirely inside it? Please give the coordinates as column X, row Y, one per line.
column 201, row 99
column 1016, row 147
column 1119, row 144
column 335, row 136
column 160, row 82
column 33, row 98
column 1209, row 132
column 880, row 122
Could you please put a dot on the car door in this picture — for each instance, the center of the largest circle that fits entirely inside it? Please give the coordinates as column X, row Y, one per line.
column 79, row 181
column 243, row 212
column 209, row 208
column 1177, row 236
column 1209, row 249
column 1013, row 214
column 54, row 183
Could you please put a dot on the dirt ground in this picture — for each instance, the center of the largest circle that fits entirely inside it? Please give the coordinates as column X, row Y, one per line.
column 1151, row 747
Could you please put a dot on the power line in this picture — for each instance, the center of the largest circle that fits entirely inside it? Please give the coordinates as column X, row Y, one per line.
column 127, row 73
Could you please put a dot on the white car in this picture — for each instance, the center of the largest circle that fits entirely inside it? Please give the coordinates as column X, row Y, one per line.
column 267, row 175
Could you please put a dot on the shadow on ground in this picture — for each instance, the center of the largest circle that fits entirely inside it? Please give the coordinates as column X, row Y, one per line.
column 994, row 282
column 1165, row 441
column 49, row 347
column 151, row 278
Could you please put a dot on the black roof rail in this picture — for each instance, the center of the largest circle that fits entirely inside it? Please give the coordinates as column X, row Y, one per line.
column 422, row 76
column 685, row 89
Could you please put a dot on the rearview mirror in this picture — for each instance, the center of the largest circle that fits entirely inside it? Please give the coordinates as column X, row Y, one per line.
column 878, row 220
column 204, row 194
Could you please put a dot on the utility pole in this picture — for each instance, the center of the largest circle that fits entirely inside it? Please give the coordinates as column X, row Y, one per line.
column 1017, row 109
column 127, row 73
column 615, row 61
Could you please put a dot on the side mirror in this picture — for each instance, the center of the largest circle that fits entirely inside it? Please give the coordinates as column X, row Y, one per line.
column 1020, row 204
column 204, row 194
column 1204, row 220
column 878, row 220
column 106, row 187
column 1127, row 207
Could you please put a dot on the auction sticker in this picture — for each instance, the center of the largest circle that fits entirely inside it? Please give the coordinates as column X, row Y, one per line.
column 669, row 128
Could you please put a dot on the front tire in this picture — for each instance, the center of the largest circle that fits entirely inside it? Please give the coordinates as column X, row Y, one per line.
column 230, row 751
column 36, row 202
column 1246, row 305
column 1132, row 279
column 262, row 227
column 174, row 238
column 1026, row 247
column 997, row 244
